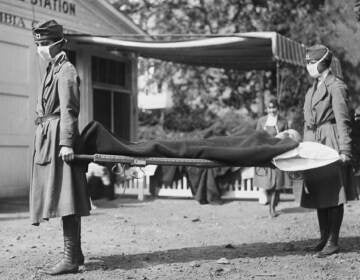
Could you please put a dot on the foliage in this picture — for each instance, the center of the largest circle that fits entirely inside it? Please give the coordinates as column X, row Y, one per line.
column 203, row 95
column 227, row 125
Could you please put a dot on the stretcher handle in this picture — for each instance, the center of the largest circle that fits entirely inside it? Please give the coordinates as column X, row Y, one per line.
column 84, row 157
column 138, row 161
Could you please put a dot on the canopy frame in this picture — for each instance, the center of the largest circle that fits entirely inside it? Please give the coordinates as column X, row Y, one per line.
column 268, row 50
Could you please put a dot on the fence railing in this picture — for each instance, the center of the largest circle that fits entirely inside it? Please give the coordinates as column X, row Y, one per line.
column 241, row 188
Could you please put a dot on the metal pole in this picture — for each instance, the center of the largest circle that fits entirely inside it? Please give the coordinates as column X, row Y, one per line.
column 278, row 93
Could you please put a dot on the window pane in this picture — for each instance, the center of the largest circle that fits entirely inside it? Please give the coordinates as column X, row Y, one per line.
column 122, row 115
column 108, row 71
column 102, row 107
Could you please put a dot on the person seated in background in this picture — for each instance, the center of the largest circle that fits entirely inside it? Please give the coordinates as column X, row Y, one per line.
column 271, row 180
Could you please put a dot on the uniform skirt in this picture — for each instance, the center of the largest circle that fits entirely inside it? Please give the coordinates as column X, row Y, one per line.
column 330, row 185
column 269, row 178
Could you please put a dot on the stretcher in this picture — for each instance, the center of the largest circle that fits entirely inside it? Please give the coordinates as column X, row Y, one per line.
column 141, row 162
column 307, row 155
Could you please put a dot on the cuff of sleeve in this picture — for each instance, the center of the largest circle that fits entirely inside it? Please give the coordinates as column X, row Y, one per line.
column 345, row 152
column 66, row 142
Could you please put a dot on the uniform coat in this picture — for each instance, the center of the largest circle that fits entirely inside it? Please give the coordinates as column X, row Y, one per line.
column 269, row 178
column 327, row 121
column 57, row 188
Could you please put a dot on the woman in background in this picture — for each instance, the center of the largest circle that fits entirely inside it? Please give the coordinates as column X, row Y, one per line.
column 271, row 180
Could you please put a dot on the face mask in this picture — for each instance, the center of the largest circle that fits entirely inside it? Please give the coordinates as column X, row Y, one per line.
column 44, row 51
column 313, row 69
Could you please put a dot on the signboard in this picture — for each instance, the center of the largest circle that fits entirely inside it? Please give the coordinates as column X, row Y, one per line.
column 61, row 6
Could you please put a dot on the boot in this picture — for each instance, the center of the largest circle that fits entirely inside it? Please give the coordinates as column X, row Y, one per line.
column 336, row 215
column 69, row 263
column 324, row 226
column 81, row 259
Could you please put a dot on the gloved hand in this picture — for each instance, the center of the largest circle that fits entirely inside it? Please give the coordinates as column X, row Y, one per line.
column 345, row 158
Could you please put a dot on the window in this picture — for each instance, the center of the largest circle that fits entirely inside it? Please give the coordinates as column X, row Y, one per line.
column 111, row 99
column 108, row 71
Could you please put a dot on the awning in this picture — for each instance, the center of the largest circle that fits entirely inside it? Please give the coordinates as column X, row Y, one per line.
column 242, row 51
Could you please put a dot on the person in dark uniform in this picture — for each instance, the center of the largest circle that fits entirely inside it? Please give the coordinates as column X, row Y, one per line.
column 272, row 180
column 58, row 185
column 327, row 121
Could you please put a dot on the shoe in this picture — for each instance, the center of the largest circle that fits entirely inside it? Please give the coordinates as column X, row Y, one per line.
column 328, row 250
column 317, row 248
column 63, row 267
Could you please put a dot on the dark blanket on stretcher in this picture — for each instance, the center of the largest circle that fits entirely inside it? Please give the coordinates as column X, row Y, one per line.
column 206, row 184
column 249, row 148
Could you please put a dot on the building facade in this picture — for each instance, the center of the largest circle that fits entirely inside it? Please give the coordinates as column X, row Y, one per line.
column 108, row 77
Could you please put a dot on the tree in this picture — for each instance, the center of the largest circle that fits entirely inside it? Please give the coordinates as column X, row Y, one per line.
column 206, row 95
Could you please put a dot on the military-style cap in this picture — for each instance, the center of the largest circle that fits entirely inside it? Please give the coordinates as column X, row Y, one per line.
column 48, row 30
column 316, row 52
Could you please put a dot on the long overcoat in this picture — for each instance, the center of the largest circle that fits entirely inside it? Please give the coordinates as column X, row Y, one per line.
column 57, row 188
column 328, row 121
column 265, row 177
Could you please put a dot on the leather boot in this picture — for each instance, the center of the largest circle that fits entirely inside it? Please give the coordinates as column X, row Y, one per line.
column 81, row 259
column 336, row 215
column 324, row 226
column 69, row 263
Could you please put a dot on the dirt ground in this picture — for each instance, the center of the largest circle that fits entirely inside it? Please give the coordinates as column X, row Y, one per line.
column 180, row 239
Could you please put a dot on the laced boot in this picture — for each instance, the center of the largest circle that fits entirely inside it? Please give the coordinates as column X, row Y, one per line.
column 323, row 220
column 336, row 215
column 69, row 263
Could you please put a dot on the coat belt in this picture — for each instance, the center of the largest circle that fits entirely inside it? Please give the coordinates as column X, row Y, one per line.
column 317, row 125
column 42, row 119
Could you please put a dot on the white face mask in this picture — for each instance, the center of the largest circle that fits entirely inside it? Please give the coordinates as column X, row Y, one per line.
column 313, row 67
column 44, row 51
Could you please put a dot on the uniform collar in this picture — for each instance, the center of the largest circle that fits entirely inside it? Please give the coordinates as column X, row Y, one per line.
column 323, row 76
column 58, row 61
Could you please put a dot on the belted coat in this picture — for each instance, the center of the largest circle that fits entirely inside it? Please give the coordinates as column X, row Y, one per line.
column 57, row 188
column 328, row 121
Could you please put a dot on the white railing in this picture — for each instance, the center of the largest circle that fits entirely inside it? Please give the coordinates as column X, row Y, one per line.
column 240, row 189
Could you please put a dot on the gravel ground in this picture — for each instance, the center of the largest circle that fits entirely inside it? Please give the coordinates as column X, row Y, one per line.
column 180, row 239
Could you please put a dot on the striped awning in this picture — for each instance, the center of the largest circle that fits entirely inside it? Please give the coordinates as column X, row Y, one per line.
column 242, row 51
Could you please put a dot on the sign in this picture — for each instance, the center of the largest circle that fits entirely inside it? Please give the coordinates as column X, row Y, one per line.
column 21, row 22
column 61, row 6
column 15, row 21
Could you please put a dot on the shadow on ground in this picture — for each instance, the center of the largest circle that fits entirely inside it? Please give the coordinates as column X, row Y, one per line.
column 121, row 201
column 294, row 210
column 14, row 205
column 254, row 250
